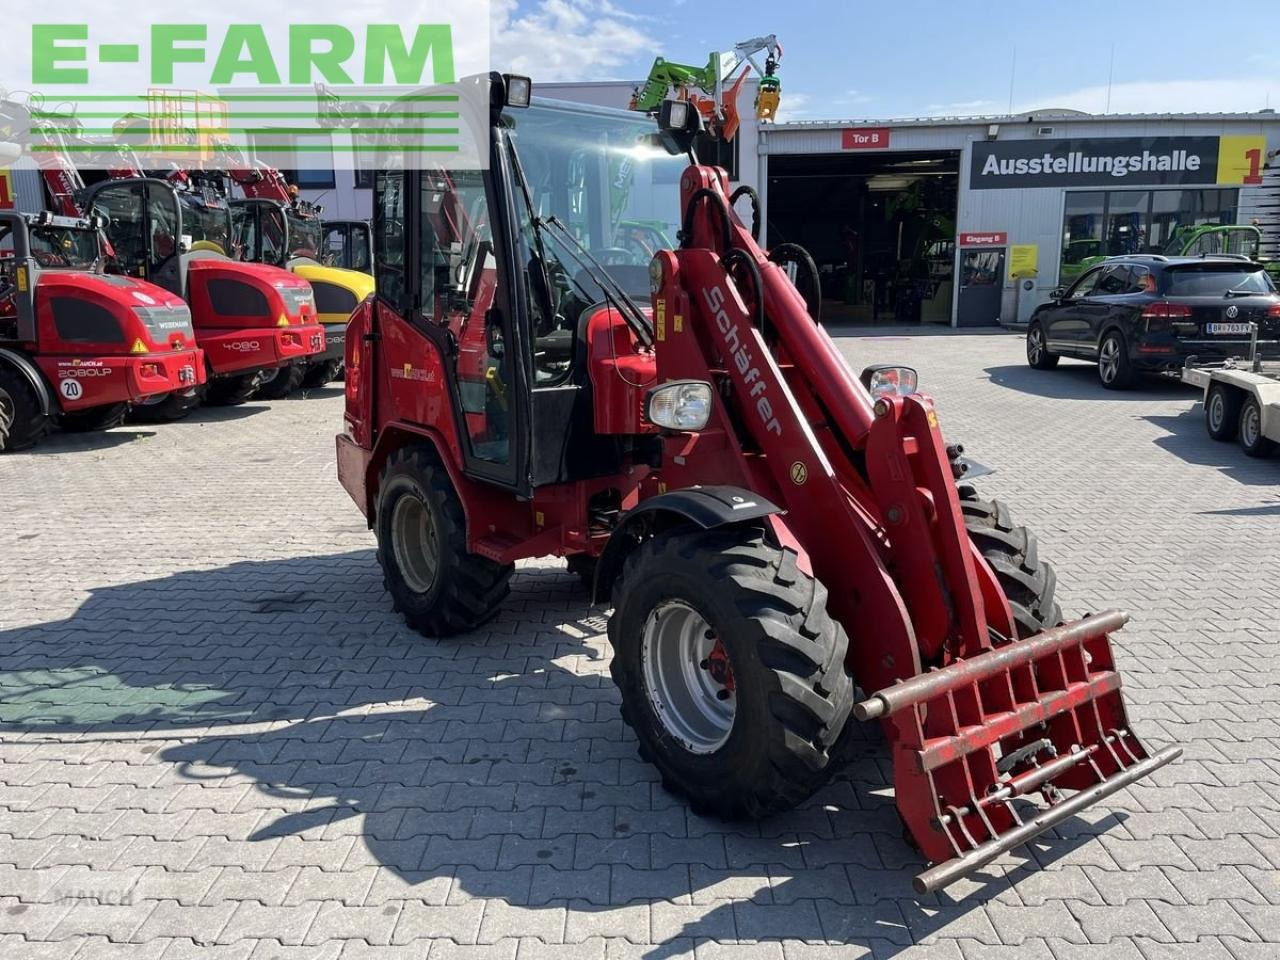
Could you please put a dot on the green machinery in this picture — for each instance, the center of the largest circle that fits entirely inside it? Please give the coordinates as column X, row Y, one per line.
column 713, row 88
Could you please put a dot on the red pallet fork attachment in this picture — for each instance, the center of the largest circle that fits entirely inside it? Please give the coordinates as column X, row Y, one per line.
column 1034, row 715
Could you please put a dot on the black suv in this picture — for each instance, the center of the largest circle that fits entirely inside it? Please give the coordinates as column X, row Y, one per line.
column 1145, row 312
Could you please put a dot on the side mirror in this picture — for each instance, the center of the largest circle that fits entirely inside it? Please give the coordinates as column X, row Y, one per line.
column 890, row 379
column 1059, row 293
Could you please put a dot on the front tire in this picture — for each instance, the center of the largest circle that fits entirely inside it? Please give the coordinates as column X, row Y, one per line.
column 167, row 409
column 731, row 671
column 318, row 374
column 22, row 422
column 1114, row 367
column 1222, row 412
column 1038, row 355
column 436, row 584
column 1251, row 439
column 231, row 391
column 1013, row 554
column 95, row 418
column 281, row 382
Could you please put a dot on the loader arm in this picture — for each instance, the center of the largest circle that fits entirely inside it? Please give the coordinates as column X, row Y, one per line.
column 976, row 717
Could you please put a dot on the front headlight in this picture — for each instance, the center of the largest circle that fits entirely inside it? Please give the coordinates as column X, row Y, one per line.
column 683, row 405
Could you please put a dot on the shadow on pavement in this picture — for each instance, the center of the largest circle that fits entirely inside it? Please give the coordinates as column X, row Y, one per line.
column 1079, row 381
column 57, row 442
column 1186, row 438
column 497, row 762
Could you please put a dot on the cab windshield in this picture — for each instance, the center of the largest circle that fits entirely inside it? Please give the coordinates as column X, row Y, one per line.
column 206, row 223
column 604, row 177
column 304, row 237
column 61, row 248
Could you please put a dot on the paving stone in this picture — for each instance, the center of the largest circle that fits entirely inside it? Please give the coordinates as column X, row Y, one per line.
column 275, row 767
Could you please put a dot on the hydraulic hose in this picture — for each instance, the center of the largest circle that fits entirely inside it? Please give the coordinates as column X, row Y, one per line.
column 746, row 190
column 794, row 253
column 722, row 208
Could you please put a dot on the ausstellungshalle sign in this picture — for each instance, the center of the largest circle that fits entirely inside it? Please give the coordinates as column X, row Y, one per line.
column 1118, row 161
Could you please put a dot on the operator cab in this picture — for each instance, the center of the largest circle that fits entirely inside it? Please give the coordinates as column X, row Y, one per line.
column 157, row 230
column 268, row 231
column 505, row 267
column 33, row 244
column 347, row 244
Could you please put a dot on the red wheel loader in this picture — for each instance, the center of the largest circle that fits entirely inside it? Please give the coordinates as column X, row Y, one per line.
column 78, row 346
column 250, row 319
column 772, row 528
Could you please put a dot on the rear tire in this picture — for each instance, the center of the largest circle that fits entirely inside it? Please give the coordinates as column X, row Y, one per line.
column 231, row 391
column 438, row 586
column 1012, row 552
column 1222, row 412
column 167, row 409
column 281, row 382
column 1114, row 368
column 1251, row 439
column 688, row 597
column 1038, row 355
column 95, row 418
column 22, row 423
column 318, row 374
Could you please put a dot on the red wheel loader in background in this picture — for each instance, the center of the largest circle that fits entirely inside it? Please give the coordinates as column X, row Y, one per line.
column 251, row 319
column 772, row 528
column 78, row 346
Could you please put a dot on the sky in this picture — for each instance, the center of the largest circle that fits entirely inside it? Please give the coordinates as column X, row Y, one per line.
column 855, row 60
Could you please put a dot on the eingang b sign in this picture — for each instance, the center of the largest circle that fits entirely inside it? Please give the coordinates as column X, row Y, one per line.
column 1118, row 161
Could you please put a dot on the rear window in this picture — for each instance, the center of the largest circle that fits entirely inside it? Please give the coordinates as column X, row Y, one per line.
column 1198, row 281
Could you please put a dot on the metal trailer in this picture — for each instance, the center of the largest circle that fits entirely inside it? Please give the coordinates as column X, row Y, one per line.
column 1241, row 398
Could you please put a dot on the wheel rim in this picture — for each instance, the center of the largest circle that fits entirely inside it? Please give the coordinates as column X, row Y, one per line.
column 1109, row 360
column 1035, row 345
column 1250, row 426
column 1217, row 412
column 415, row 544
column 685, row 695
column 271, row 377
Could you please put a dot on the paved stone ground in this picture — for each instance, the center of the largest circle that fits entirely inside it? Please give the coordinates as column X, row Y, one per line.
column 217, row 741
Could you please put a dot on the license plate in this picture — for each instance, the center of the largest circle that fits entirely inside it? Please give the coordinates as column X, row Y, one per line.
column 316, row 341
column 1227, row 327
column 187, row 375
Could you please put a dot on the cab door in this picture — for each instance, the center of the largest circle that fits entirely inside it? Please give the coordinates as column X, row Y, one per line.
column 144, row 225
column 442, row 265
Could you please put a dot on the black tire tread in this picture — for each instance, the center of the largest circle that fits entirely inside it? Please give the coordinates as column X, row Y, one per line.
column 284, row 383
column 318, row 374
column 800, row 646
column 231, row 391
column 95, row 418
column 475, row 586
column 1013, row 553
column 29, row 422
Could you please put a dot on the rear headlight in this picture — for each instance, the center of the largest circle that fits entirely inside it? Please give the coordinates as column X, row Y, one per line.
column 1160, row 314
column 1273, row 311
column 149, row 370
column 683, row 405
column 290, row 340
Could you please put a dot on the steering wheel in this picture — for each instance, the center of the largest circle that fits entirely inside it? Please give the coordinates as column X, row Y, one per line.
column 616, row 257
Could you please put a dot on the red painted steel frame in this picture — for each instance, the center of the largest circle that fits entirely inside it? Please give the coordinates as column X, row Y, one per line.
column 870, row 506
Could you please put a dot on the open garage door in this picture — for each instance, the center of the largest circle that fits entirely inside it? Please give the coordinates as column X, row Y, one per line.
column 881, row 228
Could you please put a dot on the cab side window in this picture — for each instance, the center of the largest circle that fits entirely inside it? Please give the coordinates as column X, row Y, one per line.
column 388, row 236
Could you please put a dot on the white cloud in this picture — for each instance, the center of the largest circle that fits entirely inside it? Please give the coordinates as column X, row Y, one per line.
column 1168, row 96
column 567, row 39
column 792, row 106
